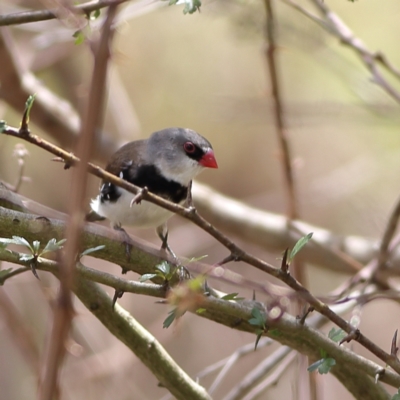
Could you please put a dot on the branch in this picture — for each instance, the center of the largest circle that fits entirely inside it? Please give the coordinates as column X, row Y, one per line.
column 52, row 114
column 333, row 24
column 45, row 15
column 63, row 311
column 285, row 330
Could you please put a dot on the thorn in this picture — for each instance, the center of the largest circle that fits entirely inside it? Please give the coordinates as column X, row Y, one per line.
column 353, row 335
column 117, row 295
column 33, row 269
column 126, row 241
column 231, row 257
column 394, row 349
column 284, row 264
column 254, row 295
column 302, row 319
column 379, row 374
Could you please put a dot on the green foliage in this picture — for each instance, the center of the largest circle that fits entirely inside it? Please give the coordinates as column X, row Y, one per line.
column 3, row 126
column 28, row 106
column 170, row 319
column 79, row 37
column 92, row 250
column 94, row 15
column 299, row 245
column 191, row 6
column 258, row 320
column 323, row 366
column 232, row 296
column 34, row 249
column 336, row 334
column 196, row 259
column 164, row 270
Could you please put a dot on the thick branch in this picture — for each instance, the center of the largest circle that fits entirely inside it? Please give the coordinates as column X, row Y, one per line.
column 286, row 330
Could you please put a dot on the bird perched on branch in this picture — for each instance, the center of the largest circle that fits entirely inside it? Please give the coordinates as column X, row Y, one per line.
column 165, row 164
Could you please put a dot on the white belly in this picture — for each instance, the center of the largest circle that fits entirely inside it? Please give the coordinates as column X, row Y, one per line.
column 143, row 215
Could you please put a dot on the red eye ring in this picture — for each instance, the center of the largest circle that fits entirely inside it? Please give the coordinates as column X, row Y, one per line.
column 189, row 147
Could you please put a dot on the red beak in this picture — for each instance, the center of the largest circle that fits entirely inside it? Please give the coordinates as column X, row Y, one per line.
column 208, row 160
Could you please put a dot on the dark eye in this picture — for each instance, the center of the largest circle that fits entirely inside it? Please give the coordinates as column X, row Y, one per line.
column 189, row 147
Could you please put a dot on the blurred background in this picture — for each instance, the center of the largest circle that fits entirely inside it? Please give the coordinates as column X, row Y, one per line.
column 208, row 72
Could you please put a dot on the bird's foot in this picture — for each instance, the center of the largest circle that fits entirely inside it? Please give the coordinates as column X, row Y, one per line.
column 162, row 233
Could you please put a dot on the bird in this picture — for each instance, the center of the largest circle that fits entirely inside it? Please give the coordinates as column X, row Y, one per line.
column 165, row 165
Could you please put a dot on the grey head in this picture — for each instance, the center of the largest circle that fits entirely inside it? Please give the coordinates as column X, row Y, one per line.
column 179, row 153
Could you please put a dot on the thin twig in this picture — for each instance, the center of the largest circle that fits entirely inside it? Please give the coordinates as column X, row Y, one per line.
column 272, row 379
column 333, row 24
column 279, row 112
column 251, row 379
column 390, row 230
column 44, row 15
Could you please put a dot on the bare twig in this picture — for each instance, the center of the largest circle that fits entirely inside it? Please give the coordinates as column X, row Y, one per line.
column 333, row 24
column 390, row 230
column 279, row 112
column 63, row 312
column 256, row 374
column 44, row 15
column 19, row 330
column 272, row 379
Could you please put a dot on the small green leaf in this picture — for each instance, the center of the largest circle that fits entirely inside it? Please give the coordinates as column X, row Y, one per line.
column 53, row 245
column 26, row 257
column 92, row 250
column 79, row 37
column 5, row 241
column 336, row 334
column 28, row 106
column 200, row 310
column 326, row 366
column 36, row 246
column 258, row 319
column 299, row 245
column 3, row 126
column 94, row 15
column 191, row 6
column 164, row 268
column 21, row 242
column 232, row 296
column 170, row 319
column 147, row 277
column 196, row 259
column 314, row 366
column 229, row 296
column 323, row 365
